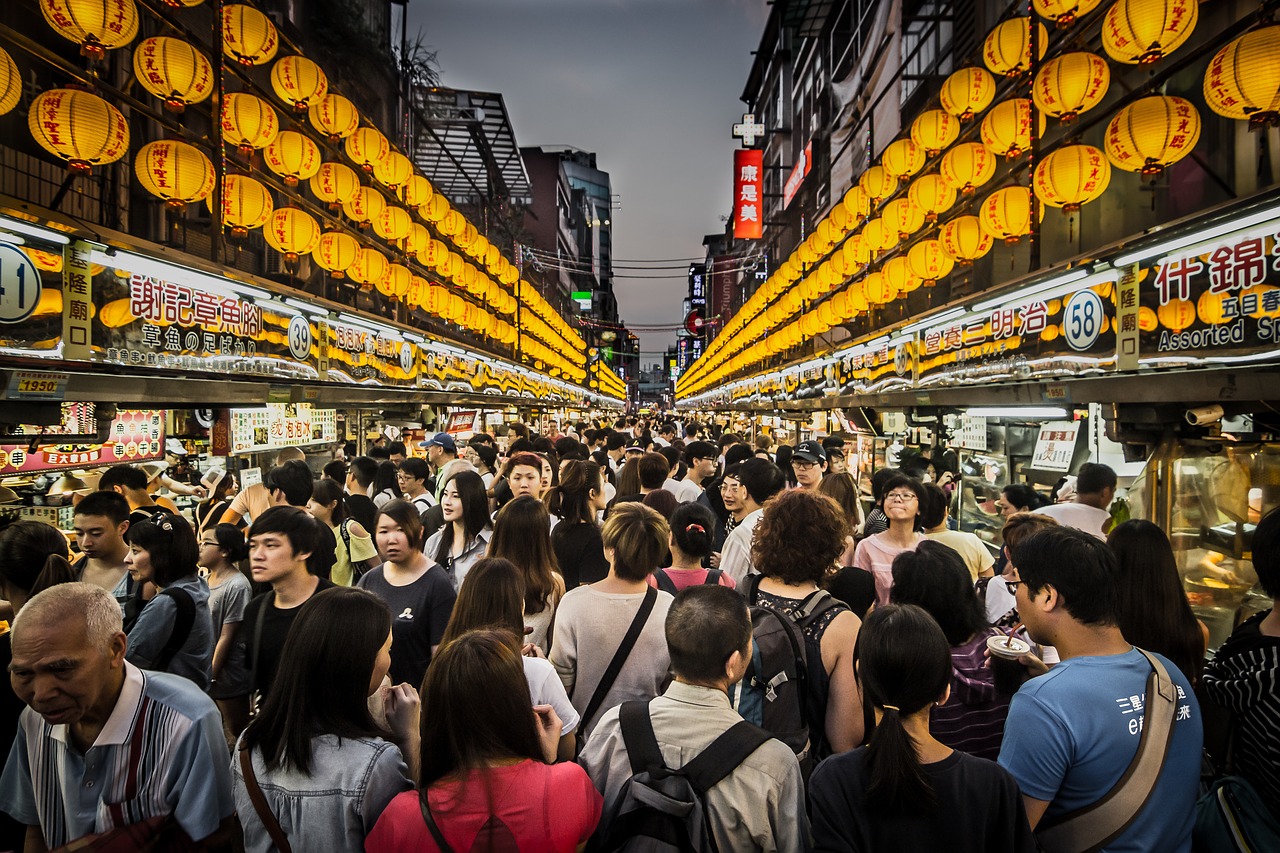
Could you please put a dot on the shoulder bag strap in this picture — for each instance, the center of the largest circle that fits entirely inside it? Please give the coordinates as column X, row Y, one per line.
column 724, row 755
column 183, row 620
column 430, row 820
column 268, row 818
column 1097, row 825
column 665, row 583
column 753, row 589
column 346, row 537
column 638, row 737
column 619, row 657
column 713, row 577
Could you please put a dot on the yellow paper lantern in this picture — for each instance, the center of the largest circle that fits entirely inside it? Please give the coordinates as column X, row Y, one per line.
column 934, row 130
column 878, row 184
column 964, row 240
column 902, row 158
column 299, row 81
column 174, row 71
column 417, row 239
column 248, row 122
column 466, row 237
column 415, row 191
column 336, row 252
column 1072, row 176
column 1144, row 31
column 1243, row 79
column 1007, row 128
column 898, row 274
column 879, row 235
column 393, row 170
column 857, row 203
column 452, row 224
column 96, row 26
column 293, row 156
column 967, row 166
column 292, row 232
column 10, row 83
column 855, row 251
column 335, row 184
column 1007, row 49
column 1064, row 13
column 395, row 282
column 364, row 206
column 879, row 290
column 79, row 127
column 1147, row 320
column 334, row 116
column 246, row 204
column 46, row 262
column 967, row 92
column 1006, row 214
column 929, row 262
column 1176, row 314
column 1071, row 84
column 932, row 195
column 434, row 255
column 417, row 291
column 248, row 36
column 435, row 208
column 904, row 215
column 392, row 223
column 367, row 147
column 369, row 268
column 841, row 221
column 174, row 171
column 1152, row 133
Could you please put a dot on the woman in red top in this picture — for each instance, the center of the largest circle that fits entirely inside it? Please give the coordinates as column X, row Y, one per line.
column 488, row 777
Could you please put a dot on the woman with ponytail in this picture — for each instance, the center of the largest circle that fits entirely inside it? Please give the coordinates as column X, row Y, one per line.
column 692, row 528
column 905, row 790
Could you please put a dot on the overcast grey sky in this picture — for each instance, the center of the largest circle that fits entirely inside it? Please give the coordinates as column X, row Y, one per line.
column 651, row 86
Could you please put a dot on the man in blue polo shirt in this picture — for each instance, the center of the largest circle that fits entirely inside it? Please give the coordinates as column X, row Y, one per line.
column 1072, row 732
column 102, row 744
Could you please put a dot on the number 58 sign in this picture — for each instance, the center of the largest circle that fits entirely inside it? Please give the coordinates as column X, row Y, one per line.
column 19, row 285
column 1082, row 320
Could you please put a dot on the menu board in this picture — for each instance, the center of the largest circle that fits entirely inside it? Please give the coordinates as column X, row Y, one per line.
column 281, row 425
column 134, row 436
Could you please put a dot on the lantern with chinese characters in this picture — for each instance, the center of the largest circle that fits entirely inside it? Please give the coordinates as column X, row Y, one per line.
column 902, row 158
column 929, row 262
column 1071, row 84
column 248, row 122
column 364, row 206
column 879, row 236
column 899, row 275
column 904, row 215
column 1152, row 133
column 96, row 25
column 967, row 166
column 299, row 81
column 967, row 92
column 1243, row 79
column 466, row 237
column 934, row 130
column 878, row 184
column 173, row 70
column 292, row 232
column 369, row 268
column 433, row 255
column 248, row 36
column 841, row 221
column 435, row 208
column 879, row 290
column 1072, row 176
column 393, row 170
column 1006, row 214
column 856, row 202
column 10, row 83
column 174, row 171
column 336, row 252
column 415, row 191
column 293, row 156
column 1007, row 128
column 246, row 204
column 335, row 184
column 367, row 147
column 1007, row 49
column 392, row 223
column 932, row 195
column 1176, row 314
column 964, row 240
column 856, row 252
column 417, row 291
column 394, row 283
column 416, row 240
column 1063, row 12
column 1144, row 31
column 334, row 116
column 452, row 224
column 79, row 127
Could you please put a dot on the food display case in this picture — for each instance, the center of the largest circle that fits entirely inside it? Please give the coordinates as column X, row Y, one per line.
column 1209, row 495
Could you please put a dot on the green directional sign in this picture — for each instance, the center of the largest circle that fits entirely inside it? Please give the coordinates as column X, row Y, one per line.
column 581, row 295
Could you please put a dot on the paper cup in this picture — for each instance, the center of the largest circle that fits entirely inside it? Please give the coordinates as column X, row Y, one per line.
column 1009, row 648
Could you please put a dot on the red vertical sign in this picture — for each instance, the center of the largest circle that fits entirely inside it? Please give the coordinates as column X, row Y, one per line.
column 748, row 193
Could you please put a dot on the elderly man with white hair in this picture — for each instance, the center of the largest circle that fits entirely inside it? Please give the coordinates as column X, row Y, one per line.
column 102, row 744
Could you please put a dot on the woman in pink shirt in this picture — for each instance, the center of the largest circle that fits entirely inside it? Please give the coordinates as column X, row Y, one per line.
column 902, row 499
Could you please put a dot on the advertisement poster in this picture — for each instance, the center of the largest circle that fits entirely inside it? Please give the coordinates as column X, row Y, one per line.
column 134, row 436
column 281, row 425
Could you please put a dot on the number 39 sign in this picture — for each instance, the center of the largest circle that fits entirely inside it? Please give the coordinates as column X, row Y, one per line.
column 19, row 285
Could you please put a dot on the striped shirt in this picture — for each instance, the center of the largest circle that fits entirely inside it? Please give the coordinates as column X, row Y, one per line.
column 161, row 752
column 972, row 719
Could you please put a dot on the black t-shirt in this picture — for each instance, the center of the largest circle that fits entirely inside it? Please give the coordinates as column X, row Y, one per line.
column 362, row 509
column 419, row 613
column 978, row 810
column 580, row 553
column 275, row 627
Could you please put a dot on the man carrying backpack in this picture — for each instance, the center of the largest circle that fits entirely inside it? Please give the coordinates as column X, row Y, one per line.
column 690, row 744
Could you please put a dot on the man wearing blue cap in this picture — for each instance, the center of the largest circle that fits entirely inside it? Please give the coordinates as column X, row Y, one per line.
column 441, row 450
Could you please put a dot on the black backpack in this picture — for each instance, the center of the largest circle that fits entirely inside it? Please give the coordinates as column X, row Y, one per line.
column 666, row 584
column 660, row 810
column 786, row 686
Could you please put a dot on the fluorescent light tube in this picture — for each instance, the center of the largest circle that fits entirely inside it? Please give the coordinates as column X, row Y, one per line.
column 1018, row 412
column 1205, row 235
column 20, row 227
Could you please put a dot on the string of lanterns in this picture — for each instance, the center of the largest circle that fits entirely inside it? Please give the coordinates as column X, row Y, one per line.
column 1146, row 136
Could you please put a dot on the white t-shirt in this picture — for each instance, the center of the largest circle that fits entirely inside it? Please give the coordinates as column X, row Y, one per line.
column 672, row 486
column 1090, row 519
column 687, row 490
column 545, row 688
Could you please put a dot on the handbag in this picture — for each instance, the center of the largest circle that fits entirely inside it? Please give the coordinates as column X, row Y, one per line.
column 1094, row 826
column 260, row 806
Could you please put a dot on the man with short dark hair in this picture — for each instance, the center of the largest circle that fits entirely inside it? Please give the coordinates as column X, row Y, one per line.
column 1095, row 488
column 1072, row 733
column 360, row 506
column 700, row 464
column 130, row 482
column 254, row 500
column 809, row 462
column 413, row 476
column 615, row 445
column 666, row 434
column 289, row 484
column 746, row 489
column 396, row 451
column 760, row 804
column 101, row 523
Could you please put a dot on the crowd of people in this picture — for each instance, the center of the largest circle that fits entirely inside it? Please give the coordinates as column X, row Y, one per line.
column 626, row 631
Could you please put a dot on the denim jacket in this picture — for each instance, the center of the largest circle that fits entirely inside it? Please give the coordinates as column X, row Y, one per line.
column 332, row 808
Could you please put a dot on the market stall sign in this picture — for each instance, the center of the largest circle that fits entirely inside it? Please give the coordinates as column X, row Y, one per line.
column 281, row 425
column 1055, row 445
column 135, row 436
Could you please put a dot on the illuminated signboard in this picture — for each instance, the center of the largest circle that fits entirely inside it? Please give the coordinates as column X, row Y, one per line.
column 281, row 425
column 799, row 172
column 748, row 194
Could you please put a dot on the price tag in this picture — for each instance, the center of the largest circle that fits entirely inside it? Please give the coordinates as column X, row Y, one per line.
column 31, row 385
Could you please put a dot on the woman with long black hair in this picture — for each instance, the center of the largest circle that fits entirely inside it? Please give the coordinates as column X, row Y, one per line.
column 522, row 535
column 462, row 541
column 905, row 790
column 578, row 501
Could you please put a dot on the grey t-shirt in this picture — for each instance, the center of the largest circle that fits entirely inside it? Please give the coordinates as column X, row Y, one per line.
column 227, row 601
column 156, row 623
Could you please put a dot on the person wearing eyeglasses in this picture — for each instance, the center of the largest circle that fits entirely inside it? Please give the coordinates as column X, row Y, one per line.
column 809, row 462
column 903, row 498
column 746, row 488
